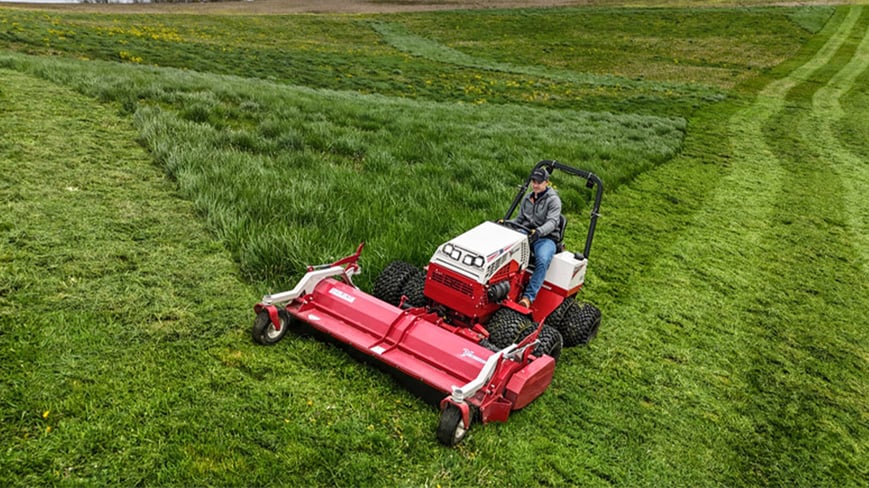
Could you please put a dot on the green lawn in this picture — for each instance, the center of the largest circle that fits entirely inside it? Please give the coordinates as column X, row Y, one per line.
column 158, row 174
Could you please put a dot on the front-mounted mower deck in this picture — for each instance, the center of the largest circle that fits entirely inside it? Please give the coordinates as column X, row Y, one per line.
column 481, row 383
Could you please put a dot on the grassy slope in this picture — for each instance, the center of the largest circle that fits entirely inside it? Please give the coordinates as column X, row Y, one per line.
column 107, row 275
column 344, row 52
column 673, row 45
column 124, row 328
column 323, row 145
column 753, row 304
column 724, row 378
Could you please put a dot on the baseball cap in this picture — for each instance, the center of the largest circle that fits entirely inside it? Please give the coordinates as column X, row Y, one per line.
column 539, row 175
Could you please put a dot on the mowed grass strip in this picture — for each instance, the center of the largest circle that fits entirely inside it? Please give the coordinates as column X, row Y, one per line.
column 106, row 277
column 838, row 134
column 812, row 306
column 744, row 337
column 564, row 58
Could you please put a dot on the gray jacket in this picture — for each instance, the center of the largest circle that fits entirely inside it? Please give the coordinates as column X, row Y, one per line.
column 541, row 213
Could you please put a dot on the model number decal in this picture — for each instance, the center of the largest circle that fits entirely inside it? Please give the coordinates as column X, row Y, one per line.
column 467, row 353
column 343, row 296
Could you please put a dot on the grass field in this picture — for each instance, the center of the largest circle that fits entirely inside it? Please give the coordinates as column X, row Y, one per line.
column 158, row 174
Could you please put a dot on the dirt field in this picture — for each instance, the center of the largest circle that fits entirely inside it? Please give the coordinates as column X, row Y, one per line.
column 260, row 7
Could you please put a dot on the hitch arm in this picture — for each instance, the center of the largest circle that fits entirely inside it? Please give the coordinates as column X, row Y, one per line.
column 483, row 377
column 345, row 267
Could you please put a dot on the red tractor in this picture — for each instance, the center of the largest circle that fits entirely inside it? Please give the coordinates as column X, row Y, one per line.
column 455, row 327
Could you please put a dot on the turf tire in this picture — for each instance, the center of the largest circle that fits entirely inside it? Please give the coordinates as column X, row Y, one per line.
column 506, row 326
column 549, row 340
column 390, row 284
column 590, row 318
column 451, row 430
column 579, row 324
column 414, row 289
column 557, row 316
column 550, row 343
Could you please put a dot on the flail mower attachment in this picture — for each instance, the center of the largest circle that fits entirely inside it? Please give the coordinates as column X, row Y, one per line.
column 474, row 382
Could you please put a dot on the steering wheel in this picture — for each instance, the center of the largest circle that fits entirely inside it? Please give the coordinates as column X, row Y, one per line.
column 517, row 226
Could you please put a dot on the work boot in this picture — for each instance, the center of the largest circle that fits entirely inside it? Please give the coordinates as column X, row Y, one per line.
column 525, row 302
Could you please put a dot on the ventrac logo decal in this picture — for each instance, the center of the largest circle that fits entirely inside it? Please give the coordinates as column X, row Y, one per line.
column 343, row 296
column 467, row 353
column 497, row 253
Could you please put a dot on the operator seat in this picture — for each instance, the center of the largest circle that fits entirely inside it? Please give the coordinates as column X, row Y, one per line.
column 562, row 224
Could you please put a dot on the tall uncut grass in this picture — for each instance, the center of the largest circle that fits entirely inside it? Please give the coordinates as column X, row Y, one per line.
column 287, row 176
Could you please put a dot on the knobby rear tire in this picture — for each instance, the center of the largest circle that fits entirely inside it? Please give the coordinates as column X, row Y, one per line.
column 578, row 324
column 549, row 340
column 414, row 289
column 550, row 343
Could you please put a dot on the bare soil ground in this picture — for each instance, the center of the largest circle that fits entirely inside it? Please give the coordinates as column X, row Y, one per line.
column 265, row 7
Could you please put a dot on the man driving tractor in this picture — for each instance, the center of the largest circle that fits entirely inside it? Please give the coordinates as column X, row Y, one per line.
column 540, row 212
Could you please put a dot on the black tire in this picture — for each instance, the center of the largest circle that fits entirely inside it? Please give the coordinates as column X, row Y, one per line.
column 390, row 285
column 451, row 429
column 590, row 318
column 549, row 340
column 264, row 332
column 506, row 326
column 580, row 324
column 488, row 345
column 414, row 289
column 567, row 327
column 550, row 343
column 557, row 316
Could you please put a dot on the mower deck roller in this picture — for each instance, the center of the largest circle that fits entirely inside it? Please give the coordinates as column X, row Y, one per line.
column 480, row 383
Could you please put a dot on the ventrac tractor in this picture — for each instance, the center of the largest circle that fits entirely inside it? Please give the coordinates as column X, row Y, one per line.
column 456, row 326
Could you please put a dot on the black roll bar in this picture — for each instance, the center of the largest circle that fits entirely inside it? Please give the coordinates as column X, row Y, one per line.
column 591, row 181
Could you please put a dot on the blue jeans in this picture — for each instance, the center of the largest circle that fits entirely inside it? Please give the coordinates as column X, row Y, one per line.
column 544, row 250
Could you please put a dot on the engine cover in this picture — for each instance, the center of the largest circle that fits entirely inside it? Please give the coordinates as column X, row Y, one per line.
column 483, row 251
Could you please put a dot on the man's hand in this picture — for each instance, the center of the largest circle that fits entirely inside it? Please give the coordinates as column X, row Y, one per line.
column 533, row 236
